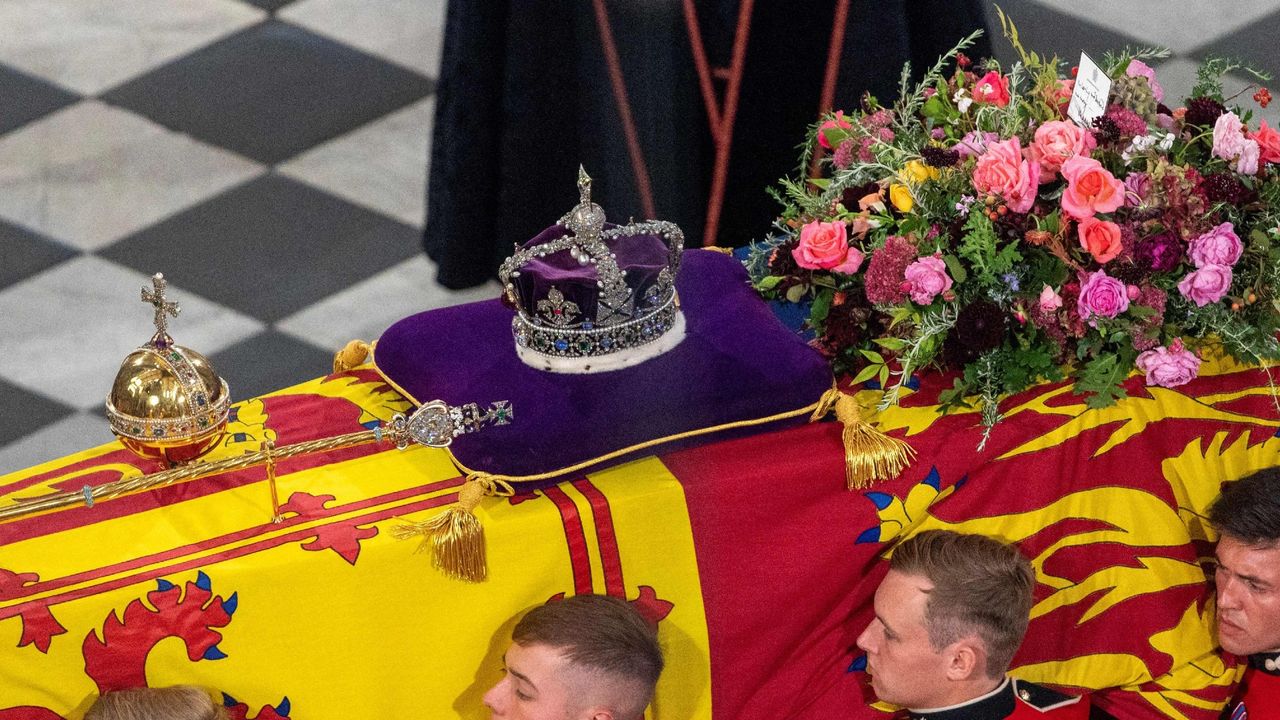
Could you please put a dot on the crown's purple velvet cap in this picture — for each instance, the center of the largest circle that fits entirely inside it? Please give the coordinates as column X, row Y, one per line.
column 736, row 362
column 642, row 257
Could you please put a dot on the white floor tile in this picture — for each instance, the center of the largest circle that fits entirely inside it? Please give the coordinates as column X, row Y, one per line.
column 363, row 311
column 92, row 45
column 91, row 173
column 1179, row 25
column 68, row 435
column 67, row 330
column 382, row 165
column 409, row 32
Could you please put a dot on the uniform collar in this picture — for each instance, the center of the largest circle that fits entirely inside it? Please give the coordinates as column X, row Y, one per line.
column 995, row 705
column 1267, row 662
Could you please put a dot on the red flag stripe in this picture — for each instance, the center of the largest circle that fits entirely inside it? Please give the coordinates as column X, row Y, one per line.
column 610, row 558
column 575, row 537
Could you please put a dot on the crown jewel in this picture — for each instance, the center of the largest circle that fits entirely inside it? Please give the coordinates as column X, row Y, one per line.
column 589, row 295
column 167, row 402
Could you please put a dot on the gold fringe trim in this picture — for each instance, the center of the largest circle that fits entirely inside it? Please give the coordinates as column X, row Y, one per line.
column 870, row 456
column 455, row 536
column 353, row 354
column 717, row 248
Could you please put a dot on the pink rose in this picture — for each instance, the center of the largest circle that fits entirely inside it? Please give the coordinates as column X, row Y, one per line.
column 1228, row 136
column 1002, row 171
column 1169, row 367
column 1103, row 296
column 992, row 89
column 1268, row 143
column 1247, row 160
column 1208, row 284
column 1137, row 68
column 1049, row 300
column 1090, row 188
column 1100, row 238
column 825, row 246
column 928, row 278
column 851, row 263
column 1055, row 142
column 1219, row 246
column 840, row 122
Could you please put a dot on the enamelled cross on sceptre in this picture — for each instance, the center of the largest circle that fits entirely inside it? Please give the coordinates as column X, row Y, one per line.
column 162, row 307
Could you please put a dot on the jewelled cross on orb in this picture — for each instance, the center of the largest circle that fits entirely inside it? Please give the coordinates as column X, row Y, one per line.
column 162, row 307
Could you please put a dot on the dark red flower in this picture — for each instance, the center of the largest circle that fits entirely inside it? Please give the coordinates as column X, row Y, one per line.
column 1203, row 111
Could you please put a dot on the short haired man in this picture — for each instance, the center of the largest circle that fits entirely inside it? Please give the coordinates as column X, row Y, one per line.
column 950, row 614
column 1247, row 517
column 586, row 657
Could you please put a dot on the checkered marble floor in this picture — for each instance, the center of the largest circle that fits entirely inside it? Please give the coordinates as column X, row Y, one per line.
column 269, row 157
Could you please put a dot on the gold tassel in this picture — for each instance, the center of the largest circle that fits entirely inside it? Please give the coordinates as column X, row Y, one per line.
column 869, row 455
column 353, row 354
column 455, row 536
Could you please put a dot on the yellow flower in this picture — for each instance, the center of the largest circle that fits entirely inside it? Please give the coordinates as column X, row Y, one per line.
column 916, row 172
column 900, row 196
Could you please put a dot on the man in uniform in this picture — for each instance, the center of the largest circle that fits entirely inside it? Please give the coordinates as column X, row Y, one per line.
column 949, row 616
column 586, row 657
column 1247, row 517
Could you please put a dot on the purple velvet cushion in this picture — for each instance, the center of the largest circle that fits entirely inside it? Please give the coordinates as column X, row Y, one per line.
column 737, row 362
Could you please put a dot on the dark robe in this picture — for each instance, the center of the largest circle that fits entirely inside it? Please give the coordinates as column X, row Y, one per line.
column 525, row 95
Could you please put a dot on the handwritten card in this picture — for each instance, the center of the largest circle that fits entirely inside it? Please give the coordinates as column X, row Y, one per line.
column 1089, row 99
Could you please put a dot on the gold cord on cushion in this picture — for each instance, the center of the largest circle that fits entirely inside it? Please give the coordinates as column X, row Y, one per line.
column 455, row 536
column 869, row 455
column 353, row 354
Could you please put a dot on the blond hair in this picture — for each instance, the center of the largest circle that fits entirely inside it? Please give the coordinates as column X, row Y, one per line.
column 981, row 587
column 180, row 702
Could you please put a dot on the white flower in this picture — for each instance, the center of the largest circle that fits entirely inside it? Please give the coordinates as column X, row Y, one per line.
column 1142, row 143
column 962, row 101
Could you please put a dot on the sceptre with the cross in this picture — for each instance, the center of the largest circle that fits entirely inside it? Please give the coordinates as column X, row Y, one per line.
column 162, row 307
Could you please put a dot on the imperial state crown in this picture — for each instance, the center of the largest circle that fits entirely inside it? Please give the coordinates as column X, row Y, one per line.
column 592, row 296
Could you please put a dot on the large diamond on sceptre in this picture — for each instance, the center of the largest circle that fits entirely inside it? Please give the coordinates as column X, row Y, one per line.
column 167, row 403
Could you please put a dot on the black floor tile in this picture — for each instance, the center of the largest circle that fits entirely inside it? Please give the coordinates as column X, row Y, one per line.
column 270, row 247
column 270, row 5
column 23, row 253
column 1255, row 44
column 26, row 98
column 26, row 412
column 271, row 91
column 269, row 361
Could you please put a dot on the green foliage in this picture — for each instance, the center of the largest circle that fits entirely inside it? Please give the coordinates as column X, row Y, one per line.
column 1114, row 63
column 989, row 259
column 1210, row 73
column 1101, row 378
